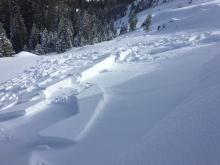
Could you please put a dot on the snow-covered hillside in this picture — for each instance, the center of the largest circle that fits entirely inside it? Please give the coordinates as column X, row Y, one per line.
column 143, row 98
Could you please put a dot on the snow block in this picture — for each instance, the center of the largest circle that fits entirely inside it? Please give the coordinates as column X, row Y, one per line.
column 96, row 69
column 73, row 127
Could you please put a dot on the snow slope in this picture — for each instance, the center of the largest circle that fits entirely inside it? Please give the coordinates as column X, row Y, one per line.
column 189, row 134
column 142, row 98
column 8, row 66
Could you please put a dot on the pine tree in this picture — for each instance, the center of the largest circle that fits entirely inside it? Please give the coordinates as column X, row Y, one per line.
column 79, row 28
column 5, row 15
column 45, row 41
column 34, row 37
column 86, row 22
column 133, row 21
column 39, row 12
column 145, row 4
column 147, row 23
column 86, row 27
column 112, row 32
column 132, row 9
column 6, row 48
column 94, row 30
column 17, row 27
column 64, row 35
column 52, row 38
column 60, row 45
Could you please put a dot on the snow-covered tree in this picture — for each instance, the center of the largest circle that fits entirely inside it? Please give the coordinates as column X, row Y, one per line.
column 6, row 48
column 85, row 22
column 34, row 37
column 147, row 23
column 133, row 21
column 81, row 27
column 112, row 32
column 52, row 38
column 133, row 8
column 45, row 41
column 64, row 35
column 17, row 27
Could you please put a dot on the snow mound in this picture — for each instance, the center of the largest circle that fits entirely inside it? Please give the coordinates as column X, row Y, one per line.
column 25, row 54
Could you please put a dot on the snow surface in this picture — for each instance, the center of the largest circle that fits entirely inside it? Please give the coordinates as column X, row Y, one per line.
column 142, row 98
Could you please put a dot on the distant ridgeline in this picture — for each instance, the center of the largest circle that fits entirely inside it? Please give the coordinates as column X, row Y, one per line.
column 44, row 26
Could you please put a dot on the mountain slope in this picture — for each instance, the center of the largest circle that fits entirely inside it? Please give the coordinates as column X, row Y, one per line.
column 142, row 98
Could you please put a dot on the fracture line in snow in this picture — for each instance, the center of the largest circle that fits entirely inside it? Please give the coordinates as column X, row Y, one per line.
column 94, row 117
column 35, row 108
column 68, row 82
column 57, row 86
column 96, row 69
column 87, row 74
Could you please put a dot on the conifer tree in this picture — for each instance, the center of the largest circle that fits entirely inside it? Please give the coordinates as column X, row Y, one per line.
column 64, row 35
column 5, row 15
column 6, row 48
column 112, row 32
column 132, row 8
column 85, row 22
column 34, row 37
column 52, row 38
column 45, row 41
column 133, row 21
column 147, row 23
column 94, row 30
column 17, row 27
